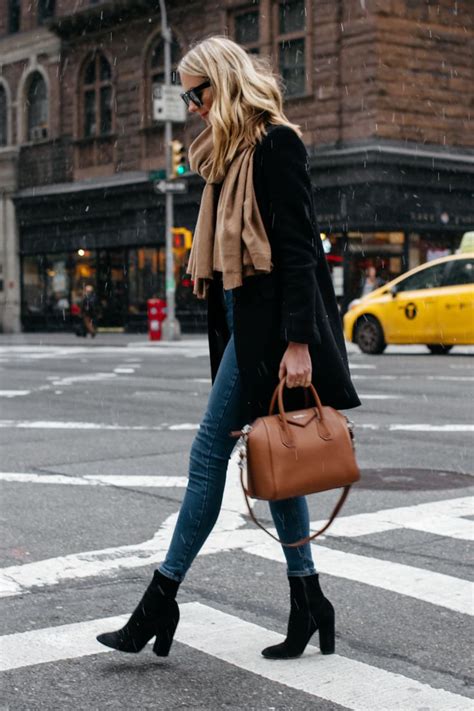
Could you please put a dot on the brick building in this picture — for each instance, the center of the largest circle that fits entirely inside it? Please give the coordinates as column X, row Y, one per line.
column 382, row 89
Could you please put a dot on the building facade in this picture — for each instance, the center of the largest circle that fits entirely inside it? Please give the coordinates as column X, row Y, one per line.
column 382, row 90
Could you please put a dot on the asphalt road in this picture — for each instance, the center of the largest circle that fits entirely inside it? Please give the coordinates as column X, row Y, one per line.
column 94, row 444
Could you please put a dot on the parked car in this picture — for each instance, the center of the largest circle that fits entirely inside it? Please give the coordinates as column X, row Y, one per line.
column 431, row 304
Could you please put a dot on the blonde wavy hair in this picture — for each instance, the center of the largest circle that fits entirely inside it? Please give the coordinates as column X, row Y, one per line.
column 246, row 96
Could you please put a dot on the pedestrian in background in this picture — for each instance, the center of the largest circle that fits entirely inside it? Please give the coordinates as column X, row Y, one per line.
column 258, row 259
column 89, row 311
column 370, row 281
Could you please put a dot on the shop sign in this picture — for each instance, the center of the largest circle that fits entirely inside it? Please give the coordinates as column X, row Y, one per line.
column 434, row 218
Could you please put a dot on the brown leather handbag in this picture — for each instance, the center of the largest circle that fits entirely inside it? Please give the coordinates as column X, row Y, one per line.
column 297, row 453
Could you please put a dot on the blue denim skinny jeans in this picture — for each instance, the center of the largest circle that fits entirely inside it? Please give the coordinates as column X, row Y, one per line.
column 209, row 459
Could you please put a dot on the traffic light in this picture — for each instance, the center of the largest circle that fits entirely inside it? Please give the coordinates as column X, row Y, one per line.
column 178, row 159
column 182, row 238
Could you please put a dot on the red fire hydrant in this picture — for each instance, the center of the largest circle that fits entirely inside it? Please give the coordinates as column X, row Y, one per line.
column 156, row 316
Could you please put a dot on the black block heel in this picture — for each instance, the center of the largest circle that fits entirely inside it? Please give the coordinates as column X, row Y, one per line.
column 327, row 635
column 164, row 638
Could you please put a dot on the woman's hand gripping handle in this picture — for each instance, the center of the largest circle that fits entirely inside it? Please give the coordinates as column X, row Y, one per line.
column 296, row 366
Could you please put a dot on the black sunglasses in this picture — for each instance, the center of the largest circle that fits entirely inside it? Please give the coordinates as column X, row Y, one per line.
column 195, row 94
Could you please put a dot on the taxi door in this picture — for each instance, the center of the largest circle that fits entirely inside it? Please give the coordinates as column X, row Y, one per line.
column 412, row 313
column 456, row 307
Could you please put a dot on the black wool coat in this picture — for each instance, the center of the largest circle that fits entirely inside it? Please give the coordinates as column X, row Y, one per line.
column 296, row 301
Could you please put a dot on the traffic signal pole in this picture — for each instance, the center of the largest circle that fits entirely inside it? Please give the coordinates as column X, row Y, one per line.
column 171, row 329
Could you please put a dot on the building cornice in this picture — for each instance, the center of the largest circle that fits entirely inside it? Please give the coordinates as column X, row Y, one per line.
column 102, row 17
column 377, row 152
column 24, row 45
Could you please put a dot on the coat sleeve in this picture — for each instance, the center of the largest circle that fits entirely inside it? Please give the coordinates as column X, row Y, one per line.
column 285, row 170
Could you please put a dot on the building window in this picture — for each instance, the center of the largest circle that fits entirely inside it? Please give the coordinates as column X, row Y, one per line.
column 37, row 108
column 14, row 16
column 97, row 97
column 157, row 60
column 45, row 10
column 246, row 28
column 3, row 117
column 146, row 277
column 291, row 45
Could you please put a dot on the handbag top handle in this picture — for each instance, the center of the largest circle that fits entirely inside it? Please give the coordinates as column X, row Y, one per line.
column 278, row 393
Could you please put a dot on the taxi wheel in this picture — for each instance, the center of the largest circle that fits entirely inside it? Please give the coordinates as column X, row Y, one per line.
column 436, row 349
column 369, row 335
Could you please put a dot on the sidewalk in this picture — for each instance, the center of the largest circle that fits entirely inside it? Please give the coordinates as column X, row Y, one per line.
column 117, row 340
column 70, row 339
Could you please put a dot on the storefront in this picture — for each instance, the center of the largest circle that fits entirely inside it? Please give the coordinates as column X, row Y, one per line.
column 382, row 207
column 123, row 280
column 59, row 260
column 390, row 208
column 350, row 255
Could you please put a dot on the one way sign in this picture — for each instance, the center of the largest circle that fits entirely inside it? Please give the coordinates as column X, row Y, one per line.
column 170, row 186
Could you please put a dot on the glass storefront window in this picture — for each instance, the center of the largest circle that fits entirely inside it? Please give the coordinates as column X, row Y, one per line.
column 46, row 290
column 146, row 277
column 56, row 281
column 33, row 286
column 82, row 271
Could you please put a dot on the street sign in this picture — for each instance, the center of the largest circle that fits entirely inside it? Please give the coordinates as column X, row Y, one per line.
column 168, row 104
column 170, row 186
column 157, row 174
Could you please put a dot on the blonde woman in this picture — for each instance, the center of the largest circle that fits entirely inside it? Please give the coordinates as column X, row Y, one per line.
column 257, row 258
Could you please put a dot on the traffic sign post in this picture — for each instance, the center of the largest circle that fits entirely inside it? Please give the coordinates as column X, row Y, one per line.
column 168, row 111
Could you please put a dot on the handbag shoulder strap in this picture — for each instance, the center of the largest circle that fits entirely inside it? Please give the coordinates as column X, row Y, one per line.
column 307, row 539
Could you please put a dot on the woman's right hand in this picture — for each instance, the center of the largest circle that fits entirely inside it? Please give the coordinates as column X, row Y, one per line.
column 296, row 366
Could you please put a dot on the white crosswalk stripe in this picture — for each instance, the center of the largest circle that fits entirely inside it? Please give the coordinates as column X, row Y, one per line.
column 341, row 680
column 337, row 679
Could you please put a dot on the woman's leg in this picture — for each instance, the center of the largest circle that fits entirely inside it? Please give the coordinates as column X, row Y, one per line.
column 291, row 518
column 209, row 459
column 310, row 610
column 157, row 614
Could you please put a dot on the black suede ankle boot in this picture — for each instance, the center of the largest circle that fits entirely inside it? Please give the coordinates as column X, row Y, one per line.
column 157, row 614
column 309, row 611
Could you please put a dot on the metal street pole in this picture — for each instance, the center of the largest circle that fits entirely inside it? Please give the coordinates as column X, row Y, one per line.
column 171, row 330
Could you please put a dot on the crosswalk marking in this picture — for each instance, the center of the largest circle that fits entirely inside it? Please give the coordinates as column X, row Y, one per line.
column 425, row 585
column 341, row 680
column 228, row 638
column 126, row 480
column 65, row 425
column 14, row 393
column 435, row 588
column 442, row 518
column 72, row 425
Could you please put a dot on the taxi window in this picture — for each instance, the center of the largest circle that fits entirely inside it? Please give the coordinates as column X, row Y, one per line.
column 428, row 278
column 461, row 271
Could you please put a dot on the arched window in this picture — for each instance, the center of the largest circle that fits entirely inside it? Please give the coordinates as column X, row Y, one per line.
column 37, row 108
column 14, row 16
column 156, row 67
column 3, row 117
column 45, row 10
column 97, row 97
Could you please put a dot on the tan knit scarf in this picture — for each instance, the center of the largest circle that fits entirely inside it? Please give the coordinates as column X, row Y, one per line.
column 229, row 237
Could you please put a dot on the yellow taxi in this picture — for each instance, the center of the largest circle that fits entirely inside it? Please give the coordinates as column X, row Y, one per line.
column 431, row 304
